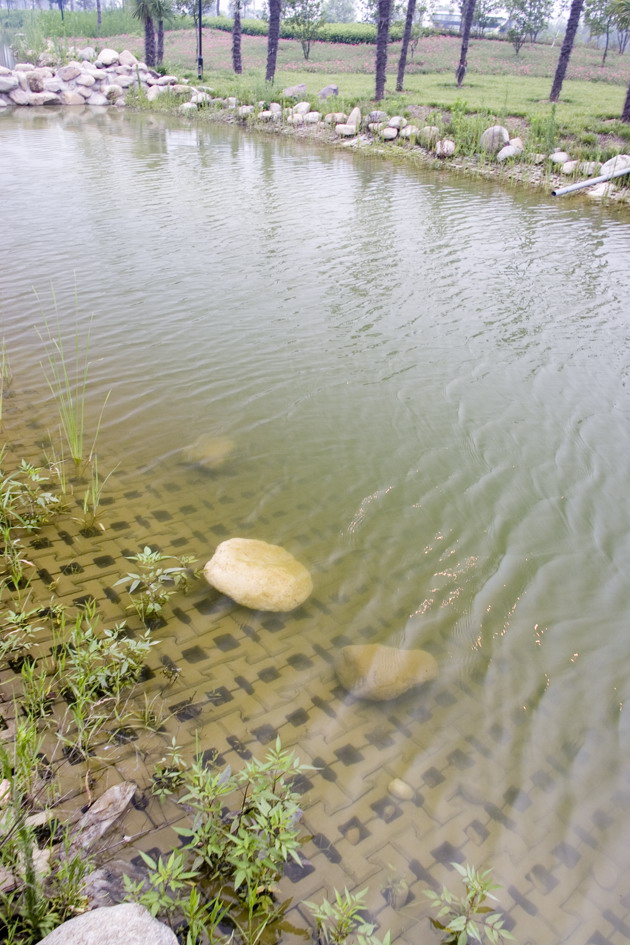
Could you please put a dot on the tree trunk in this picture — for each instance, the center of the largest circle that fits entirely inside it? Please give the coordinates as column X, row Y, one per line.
column 565, row 51
column 99, row 16
column 237, row 62
column 402, row 62
column 607, row 42
column 273, row 36
column 463, row 54
column 382, row 38
column 149, row 42
column 625, row 115
column 160, row 42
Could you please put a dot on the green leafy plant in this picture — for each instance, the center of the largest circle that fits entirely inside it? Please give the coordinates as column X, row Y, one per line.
column 152, row 585
column 468, row 917
column 338, row 918
column 169, row 772
column 92, row 497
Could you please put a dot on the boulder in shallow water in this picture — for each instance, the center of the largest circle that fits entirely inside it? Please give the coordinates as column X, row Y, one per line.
column 376, row 672
column 209, row 451
column 258, row 575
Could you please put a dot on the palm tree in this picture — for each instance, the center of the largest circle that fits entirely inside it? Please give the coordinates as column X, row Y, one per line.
column 273, row 37
column 143, row 10
column 625, row 115
column 565, row 51
column 237, row 62
column 469, row 12
column 382, row 39
column 402, row 62
column 162, row 10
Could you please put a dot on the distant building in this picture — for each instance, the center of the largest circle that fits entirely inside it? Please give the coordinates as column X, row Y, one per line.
column 446, row 20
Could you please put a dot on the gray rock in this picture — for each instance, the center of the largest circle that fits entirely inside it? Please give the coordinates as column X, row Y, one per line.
column 101, row 815
column 171, row 80
column 302, row 108
column 377, row 116
column 570, row 167
column 590, row 168
column 599, row 191
column 312, row 118
column 509, row 151
column 275, row 108
column 559, row 157
column 328, row 92
column 617, row 163
column 8, row 83
column 258, row 575
column 517, row 143
column 109, row 57
column 187, row 108
column 408, row 131
column 245, row 110
column 354, row 118
column 127, row 58
column 71, row 97
column 379, row 673
column 83, row 91
column 86, row 79
column 45, row 98
column 336, row 118
column 126, row 924
column 397, row 122
column 96, row 98
column 494, row 138
column 5, row 71
column 112, row 92
column 3, row 102
column 445, row 148
column 24, row 67
column 87, row 53
column 35, row 81
column 388, row 134
column 54, row 85
column 345, row 130
column 67, row 73
column 20, row 97
column 294, row 91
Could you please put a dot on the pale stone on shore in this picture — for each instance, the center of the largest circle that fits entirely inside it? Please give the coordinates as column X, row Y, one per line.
column 570, row 167
column 445, row 148
column 72, row 98
column 345, row 130
column 509, row 151
column 108, row 57
column 127, row 58
column 258, row 575
column 124, row 924
column 379, row 673
column 617, row 163
column 397, row 122
column 8, row 83
column 559, row 157
column 409, row 131
column 494, row 138
column 388, row 134
column 354, row 118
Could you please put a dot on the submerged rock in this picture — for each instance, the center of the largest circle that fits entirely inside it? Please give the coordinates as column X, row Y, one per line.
column 209, row 451
column 400, row 789
column 258, row 575
column 376, row 672
column 125, row 924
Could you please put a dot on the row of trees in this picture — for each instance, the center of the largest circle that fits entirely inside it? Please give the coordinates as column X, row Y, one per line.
column 530, row 15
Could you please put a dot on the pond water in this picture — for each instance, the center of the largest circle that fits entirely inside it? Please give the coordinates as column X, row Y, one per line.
column 426, row 380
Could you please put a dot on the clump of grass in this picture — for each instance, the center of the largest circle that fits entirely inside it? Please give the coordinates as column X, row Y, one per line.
column 67, row 377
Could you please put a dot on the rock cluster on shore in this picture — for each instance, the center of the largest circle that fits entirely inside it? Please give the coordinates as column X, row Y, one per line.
column 89, row 79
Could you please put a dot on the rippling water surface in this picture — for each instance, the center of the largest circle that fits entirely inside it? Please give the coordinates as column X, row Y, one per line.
column 427, row 382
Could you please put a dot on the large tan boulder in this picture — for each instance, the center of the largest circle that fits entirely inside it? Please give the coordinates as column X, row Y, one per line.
column 258, row 575
column 376, row 672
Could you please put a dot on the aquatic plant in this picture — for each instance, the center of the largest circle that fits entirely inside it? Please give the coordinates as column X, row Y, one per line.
column 338, row 918
column 5, row 376
column 469, row 917
column 92, row 499
column 67, row 378
column 152, row 585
